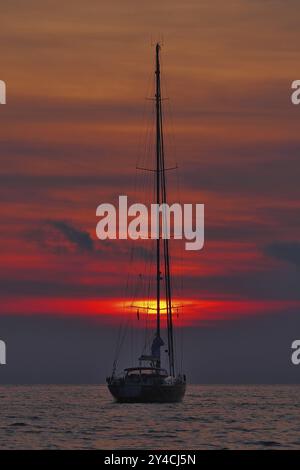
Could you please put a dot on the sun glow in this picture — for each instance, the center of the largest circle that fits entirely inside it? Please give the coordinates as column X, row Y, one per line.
column 150, row 306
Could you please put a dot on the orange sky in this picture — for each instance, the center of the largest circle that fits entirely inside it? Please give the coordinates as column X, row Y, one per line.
column 77, row 76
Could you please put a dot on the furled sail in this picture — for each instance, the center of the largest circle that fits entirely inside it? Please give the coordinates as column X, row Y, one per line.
column 156, row 345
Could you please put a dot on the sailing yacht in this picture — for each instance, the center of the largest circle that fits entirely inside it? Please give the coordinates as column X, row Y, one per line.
column 149, row 381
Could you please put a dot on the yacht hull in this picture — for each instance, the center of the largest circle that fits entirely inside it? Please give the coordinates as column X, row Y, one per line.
column 146, row 393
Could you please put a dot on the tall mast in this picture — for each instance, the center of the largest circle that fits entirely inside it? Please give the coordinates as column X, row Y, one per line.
column 161, row 196
column 158, row 158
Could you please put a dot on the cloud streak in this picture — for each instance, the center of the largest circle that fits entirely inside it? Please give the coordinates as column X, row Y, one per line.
column 285, row 251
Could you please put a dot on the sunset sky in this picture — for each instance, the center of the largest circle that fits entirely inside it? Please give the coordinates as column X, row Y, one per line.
column 77, row 75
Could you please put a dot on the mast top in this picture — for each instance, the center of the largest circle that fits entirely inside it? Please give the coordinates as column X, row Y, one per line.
column 157, row 71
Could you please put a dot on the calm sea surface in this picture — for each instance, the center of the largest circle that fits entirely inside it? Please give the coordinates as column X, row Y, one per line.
column 210, row 417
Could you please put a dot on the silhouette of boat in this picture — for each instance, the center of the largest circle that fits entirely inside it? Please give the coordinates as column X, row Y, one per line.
column 149, row 382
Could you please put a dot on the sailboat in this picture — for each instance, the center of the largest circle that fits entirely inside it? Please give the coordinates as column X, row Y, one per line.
column 149, row 381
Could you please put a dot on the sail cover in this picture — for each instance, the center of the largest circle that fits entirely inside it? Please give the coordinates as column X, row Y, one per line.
column 156, row 345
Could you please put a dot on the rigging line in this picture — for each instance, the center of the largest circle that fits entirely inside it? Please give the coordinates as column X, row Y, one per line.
column 123, row 326
column 148, row 286
column 167, row 260
column 182, row 312
column 170, row 124
column 127, row 289
column 116, row 349
column 144, row 118
column 148, row 296
column 132, row 253
column 179, row 284
column 167, row 272
column 144, row 184
column 150, row 270
column 122, row 338
column 169, row 121
column 161, row 182
column 135, row 251
column 147, row 139
column 181, row 346
column 181, row 281
column 154, row 171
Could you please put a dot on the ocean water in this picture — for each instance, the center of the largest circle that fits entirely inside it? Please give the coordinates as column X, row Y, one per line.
column 210, row 417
